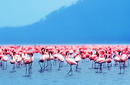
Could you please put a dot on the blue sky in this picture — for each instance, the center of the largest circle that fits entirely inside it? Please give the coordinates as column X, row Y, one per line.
column 25, row 12
column 71, row 22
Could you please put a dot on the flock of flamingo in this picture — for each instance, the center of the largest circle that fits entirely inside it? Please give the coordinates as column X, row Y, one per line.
column 99, row 55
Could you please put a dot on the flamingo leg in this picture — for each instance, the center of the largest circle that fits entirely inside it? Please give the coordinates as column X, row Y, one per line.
column 108, row 65
column 124, row 67
column 40, row 66
column 120, row 68
column 87, row 60
column 50, row 65
column 26, row 69
column 0, row 63
column 111, row 64
column 92, row 64
column 6, row 65
column 70, row 71
column 18, row 64
column 77, row 66
column 43, row 66
column 60, row 65
column 116, row 63
column 100, row 67
column 3, row 66
column 83, row 60
column 46, row 65
column 95, row 66
column 128, row 62
column 13, row 67
column 54, row 62
column 30, row 68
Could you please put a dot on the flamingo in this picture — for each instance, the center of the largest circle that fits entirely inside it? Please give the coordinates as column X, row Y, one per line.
column 70, row 61
column 94, row 58
column 28, row 63
column 123, row 60
column 109, row 60
column 18, row 60
column 4, row 59
column 120, row 59
column 48, row 57
column 0, row 59
column 117, row 59
column 12, row 61
column 77, row 58
column 83, row 56
column 72, row 54
column 60, row 58
column 41, row 62
column 100, row 61
column 128, row 58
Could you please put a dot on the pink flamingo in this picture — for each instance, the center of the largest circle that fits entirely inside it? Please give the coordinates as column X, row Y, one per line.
column 77, row 58
column 4, row 59
column 123, row 60
column 109, row 60
column 100, row 61
column 48, row 59
column 70, row 61
column 0, row 59
column 18, row 60
column 42, row 60
column 28, row 63
column 60, row 58
column 13, row 61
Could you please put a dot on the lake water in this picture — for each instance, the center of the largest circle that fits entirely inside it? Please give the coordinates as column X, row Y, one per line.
column 86, row 76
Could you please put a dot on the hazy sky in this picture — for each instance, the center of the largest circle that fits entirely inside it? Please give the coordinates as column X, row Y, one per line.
column 24, row 12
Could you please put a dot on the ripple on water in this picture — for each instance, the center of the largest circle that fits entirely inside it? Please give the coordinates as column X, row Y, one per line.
column 85, row 76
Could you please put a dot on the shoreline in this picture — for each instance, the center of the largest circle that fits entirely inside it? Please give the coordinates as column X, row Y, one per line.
column 61, row 44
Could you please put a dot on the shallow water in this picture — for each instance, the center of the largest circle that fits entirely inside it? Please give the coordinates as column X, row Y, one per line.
column 86, row 76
